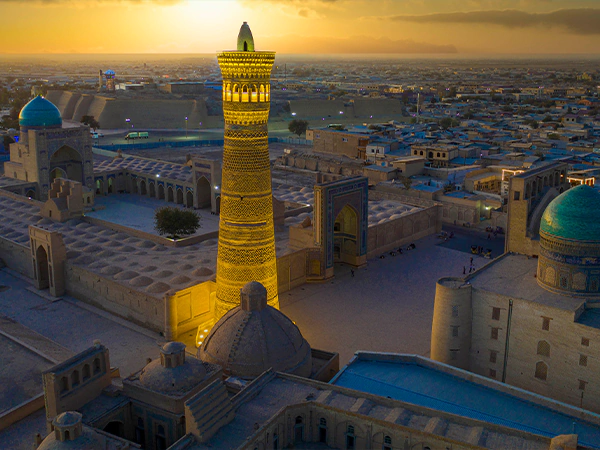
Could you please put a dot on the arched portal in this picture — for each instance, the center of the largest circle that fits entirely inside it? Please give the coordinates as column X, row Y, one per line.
column 189, row 199
column 143, row 187
column 218, row 205
column 69, row 160
column 99, row 187
column 30, row 193
column 115, row 428
column 179, row 199
column 152, row 189
column 345, row 235
column 161, row 192
column 134, row 186
column 57, row 173
column 170, row 194
column 110, row 186
column 43, row 275
column 203, row 193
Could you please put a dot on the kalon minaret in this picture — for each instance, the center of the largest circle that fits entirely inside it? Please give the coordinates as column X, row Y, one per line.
column 246, row 232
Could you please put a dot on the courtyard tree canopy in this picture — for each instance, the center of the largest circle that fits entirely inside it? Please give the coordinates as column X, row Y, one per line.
column 90, row 121
column 298, row 126
column 175, row 222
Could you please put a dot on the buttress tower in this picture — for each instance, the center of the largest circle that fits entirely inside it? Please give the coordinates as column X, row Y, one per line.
column 246, row 233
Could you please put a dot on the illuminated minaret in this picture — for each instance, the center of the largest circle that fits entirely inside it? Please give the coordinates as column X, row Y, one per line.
column 246, row 232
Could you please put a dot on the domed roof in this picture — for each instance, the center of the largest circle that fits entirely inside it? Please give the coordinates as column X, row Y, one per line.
column 109, row 72
column 255, row 337
column 89, row 439
column 245, row 36
column 40, row 112
column 170, row 375
column 574, row 215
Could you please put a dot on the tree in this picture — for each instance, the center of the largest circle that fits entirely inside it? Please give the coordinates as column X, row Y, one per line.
column 448, row 122
column 546, row 119
column 90, row 121
column 175, row 222
column 407, row 182
column 298, row 126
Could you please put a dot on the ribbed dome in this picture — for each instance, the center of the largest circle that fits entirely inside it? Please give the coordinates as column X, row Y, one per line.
column 40, row 112
column 255, row 337
column 245, row 37
column 89, row 440
column 174, row 373
column 575, row 214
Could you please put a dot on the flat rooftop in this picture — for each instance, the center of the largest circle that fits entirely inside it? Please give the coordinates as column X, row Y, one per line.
column 513, row 276
column 403, row 378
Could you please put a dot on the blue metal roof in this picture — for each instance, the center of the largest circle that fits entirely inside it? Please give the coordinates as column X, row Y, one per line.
column 411, row 382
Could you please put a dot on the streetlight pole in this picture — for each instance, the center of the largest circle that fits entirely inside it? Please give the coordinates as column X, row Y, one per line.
column 127, row 121
column 186, row 129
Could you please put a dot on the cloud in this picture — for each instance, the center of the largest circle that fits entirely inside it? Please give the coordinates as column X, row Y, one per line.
column 354, row 44
column 582, row 21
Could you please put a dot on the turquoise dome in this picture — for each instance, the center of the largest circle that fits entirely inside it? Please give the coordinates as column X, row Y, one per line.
column 40, row 112
column 575, row 214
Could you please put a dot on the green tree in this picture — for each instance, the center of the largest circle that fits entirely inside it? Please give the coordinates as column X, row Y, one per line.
column 298, row 126
column 175, row 222
column 448, row 122
column 407, row 182
column 90, row 121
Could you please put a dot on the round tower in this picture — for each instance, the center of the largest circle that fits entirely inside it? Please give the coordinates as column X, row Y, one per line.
column 110, row 75
column 246, row 232
column 451, row 328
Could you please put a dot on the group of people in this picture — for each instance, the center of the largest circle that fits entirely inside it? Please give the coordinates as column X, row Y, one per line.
column 400, row 250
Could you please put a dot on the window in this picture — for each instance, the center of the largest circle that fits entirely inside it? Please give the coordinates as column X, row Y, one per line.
column 160, row 438
column 454, row 310
column 275, row 441
column 317, row 135
column 493, row 356
column 453, row 354
column 438, row 154
column 455, row 331
column 585, row 342
column 546, row 323
column 582, row 385
column 387, row 443
column 344, row 139
column 517, row 195
column 64, row 384
column 86, row 372
column 492, row 373
column 543, row 348
column 75, row 378
column 541, row 371
column 299, row 429
column 323, row 430
column 494, row 333
column 140, row 434
column 583, row 360
column 96, row 365
column 495, row 313
column 350, row 439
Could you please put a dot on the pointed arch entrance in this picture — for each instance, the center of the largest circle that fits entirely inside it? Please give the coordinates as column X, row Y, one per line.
column 143, row 188
column 57, row 173
column 161, row 192
column 152, row 190
column 345, row 235
column 203, row 193
column 170, row 194
column 43, row 277
column 69, row 160
column 179, row 199
column 189, row 199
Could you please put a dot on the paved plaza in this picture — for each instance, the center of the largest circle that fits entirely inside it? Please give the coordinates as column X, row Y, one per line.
column 137, row 212
column 387, row 306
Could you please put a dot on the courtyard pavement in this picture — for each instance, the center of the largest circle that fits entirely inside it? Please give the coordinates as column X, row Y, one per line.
column 386, row 307
column 137, row 212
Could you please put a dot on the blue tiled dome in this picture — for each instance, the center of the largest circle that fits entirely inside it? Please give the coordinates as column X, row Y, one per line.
column 575, row 214
column 40, row 112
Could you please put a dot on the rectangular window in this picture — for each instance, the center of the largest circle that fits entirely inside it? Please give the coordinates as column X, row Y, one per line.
column 493, row 356
column 585, row 342
column 495, row 313
column 344, row 139
column 492, row 373
column 583, row 360
column 455, row 331
column 517, row 195
column 582, row 385
column 546, row 323
column 454, row 310
column 453, row 354
column 494, row 334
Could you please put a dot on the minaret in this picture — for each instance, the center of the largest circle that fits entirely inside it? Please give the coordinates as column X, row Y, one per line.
column 246, row 232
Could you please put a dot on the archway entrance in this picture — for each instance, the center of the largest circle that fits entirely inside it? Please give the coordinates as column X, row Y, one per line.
column 69, row 160
column 99, row 187
column 115, row 428
column 110, row 186
column 57, row 173
column 161, row 192
column 203, row 193
column 169, row 194
column 41, row 257
column 143, row 187
column 345, row 231
column 152, row 190
column 134, row 186
column 179, row 197
column 189, row 199
column 218, row 205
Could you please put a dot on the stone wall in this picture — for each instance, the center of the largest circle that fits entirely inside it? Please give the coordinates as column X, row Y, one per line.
column 189, row 309
column 291, row 271
column 16, row 257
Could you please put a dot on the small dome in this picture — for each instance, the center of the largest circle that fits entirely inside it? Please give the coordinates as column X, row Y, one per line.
column 40, row 112
column 109, row 72
column 573, row 215
column 255, row 337
column 174, row 373
column 67, row 419
column 245, row 41
column 69, row 433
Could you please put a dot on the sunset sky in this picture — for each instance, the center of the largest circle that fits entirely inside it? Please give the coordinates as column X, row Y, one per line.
column 301, row 26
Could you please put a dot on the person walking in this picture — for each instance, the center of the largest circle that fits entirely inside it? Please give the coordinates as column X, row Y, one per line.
column 352, row 273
